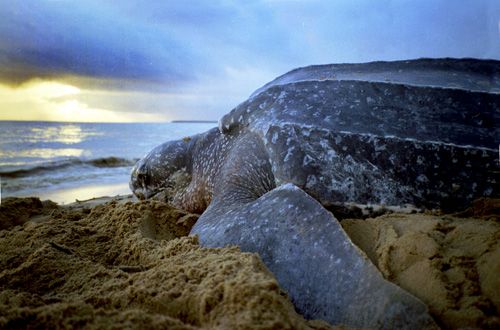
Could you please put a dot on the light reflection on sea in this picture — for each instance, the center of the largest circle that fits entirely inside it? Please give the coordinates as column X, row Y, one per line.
column 67, row 134
column 45, row 153
column 67, row 161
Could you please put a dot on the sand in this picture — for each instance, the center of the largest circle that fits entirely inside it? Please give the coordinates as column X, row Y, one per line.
column 449, row 262
column 124, row 264
column 130, row 265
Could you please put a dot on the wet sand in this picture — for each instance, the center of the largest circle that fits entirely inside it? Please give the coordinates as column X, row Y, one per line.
column 115, row 263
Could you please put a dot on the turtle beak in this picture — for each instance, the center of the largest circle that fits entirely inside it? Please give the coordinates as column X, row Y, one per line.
column 139, row 194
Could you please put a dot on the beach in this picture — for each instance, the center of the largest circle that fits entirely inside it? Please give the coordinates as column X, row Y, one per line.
column 308, row 216
column 250, row 165
column 115, row 262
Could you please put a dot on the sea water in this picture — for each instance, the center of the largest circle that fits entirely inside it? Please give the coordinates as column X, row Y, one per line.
column 68, row 161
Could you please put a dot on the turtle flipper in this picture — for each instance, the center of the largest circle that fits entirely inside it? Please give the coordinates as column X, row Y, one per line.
column 326, row 275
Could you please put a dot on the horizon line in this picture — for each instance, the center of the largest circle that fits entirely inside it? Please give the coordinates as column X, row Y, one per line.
column 107, row 122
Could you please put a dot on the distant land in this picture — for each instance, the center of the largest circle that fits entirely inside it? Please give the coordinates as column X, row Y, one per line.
column 194, row 121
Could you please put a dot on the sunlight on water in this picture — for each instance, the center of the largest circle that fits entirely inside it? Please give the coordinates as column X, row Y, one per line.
column 46, row 153
column 65, row 161
column 9, row 163
column 67, row 134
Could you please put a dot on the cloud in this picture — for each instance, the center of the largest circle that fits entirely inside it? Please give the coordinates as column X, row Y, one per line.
column 61, row 38
column 198, row 59
column 172, row 42
column 52, row 101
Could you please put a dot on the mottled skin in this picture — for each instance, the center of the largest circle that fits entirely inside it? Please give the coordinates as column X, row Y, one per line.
column 309, row 140
column 373, row 133
column 377, row 143
column 153, row 173
column 212, row 161
column 301, row 243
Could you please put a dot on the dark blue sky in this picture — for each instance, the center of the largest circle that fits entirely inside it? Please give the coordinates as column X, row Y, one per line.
column 198, row 59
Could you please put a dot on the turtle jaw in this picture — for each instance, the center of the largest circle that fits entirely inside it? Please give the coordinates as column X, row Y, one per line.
column 144, row 193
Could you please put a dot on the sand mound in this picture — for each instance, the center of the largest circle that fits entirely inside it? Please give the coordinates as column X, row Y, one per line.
column 16, row 211
column 450, row 263
column 130, row 265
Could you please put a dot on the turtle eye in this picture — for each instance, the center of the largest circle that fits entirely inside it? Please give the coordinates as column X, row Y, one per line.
column 143, row 179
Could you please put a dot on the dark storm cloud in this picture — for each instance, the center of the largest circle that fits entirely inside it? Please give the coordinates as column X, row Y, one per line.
column 185, row 43
column 82, row 38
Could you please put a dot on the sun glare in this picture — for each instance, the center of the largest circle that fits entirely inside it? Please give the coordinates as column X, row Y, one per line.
column 73, row 110
column 49, row 89
column 55, row 101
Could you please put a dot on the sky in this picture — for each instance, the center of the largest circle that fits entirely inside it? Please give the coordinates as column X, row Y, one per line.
column 160, row 60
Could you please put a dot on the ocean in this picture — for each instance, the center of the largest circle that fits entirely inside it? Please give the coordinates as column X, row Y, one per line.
column 68, row 161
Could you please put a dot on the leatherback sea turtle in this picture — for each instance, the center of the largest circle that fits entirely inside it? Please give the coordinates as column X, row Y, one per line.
column 422, row 132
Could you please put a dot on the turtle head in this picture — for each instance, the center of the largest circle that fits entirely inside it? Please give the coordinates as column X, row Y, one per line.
column 164, row 169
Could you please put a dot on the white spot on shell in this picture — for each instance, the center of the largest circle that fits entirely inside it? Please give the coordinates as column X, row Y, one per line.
column 307, row 160
column 274, row 139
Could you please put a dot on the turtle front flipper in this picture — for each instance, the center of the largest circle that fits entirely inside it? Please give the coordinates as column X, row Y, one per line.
column 326, row 276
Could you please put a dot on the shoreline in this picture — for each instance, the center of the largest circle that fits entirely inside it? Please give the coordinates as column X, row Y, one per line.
column 69, row 195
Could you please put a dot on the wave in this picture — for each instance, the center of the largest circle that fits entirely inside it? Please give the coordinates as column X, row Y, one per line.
column 106, row 162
